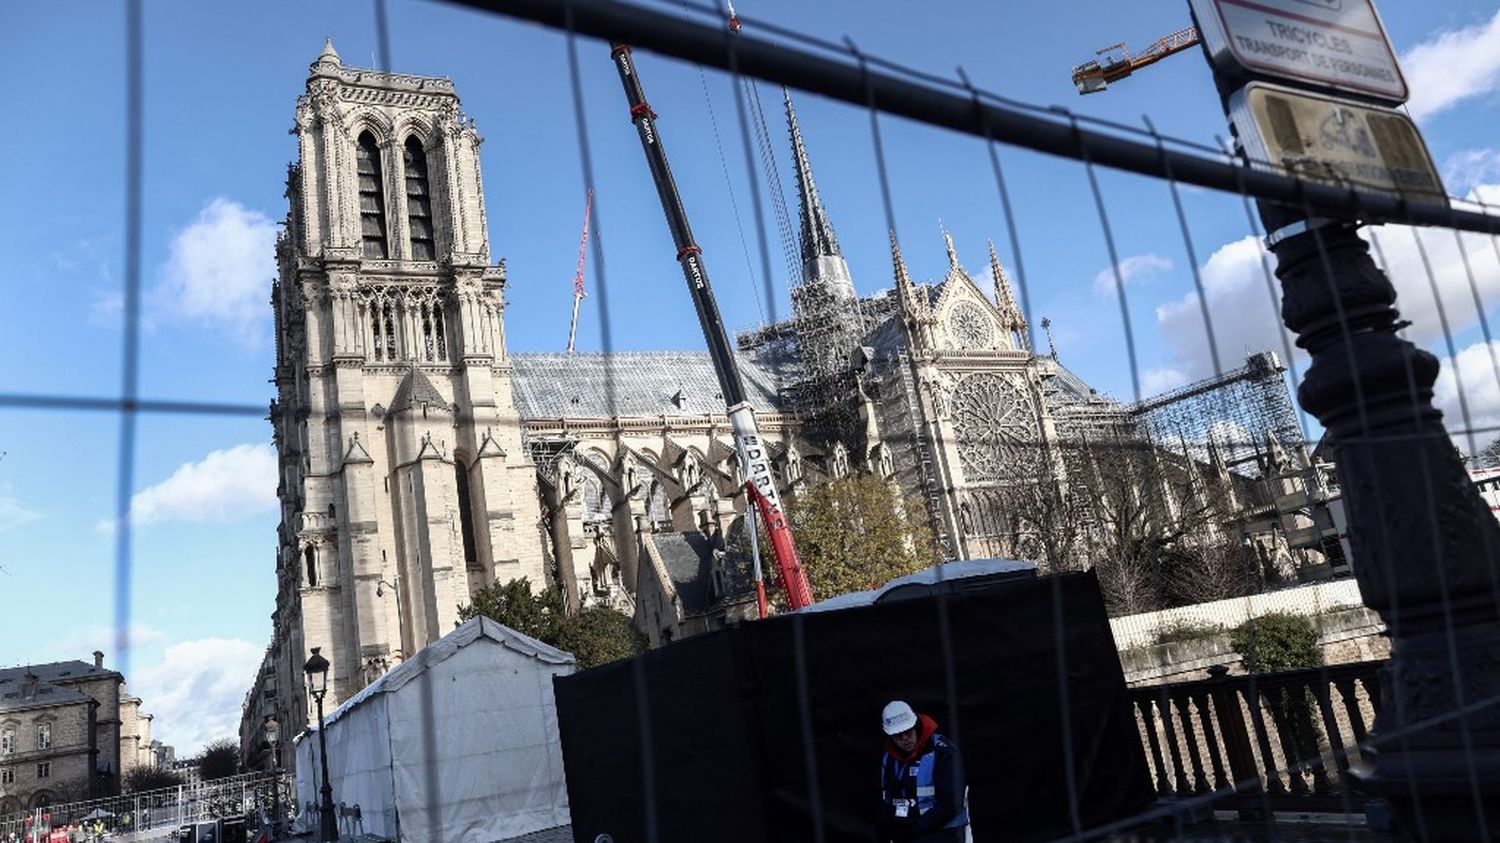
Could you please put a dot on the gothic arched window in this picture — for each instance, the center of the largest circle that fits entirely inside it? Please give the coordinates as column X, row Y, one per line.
column 465, row 515
column 310, row 562
column 371, row 198
column 418, row 202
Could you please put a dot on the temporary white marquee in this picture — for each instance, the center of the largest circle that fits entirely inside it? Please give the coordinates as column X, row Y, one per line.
column 457, row 743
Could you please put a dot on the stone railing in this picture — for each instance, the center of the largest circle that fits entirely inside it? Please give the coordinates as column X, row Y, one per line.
column 1262, row 742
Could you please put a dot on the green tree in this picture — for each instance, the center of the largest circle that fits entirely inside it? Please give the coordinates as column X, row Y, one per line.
column 599, row 635
column 857, row 533
column 144, row 778
column 514, row 605
column 220, row 759
column 595, row 635
column 1277, row 642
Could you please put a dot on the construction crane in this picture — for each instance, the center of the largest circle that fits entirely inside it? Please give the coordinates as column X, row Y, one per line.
column 754, row 455
column 583, row 246
column 1116, row 62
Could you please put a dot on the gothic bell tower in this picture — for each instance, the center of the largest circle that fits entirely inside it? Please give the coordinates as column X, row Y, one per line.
column 404, row 484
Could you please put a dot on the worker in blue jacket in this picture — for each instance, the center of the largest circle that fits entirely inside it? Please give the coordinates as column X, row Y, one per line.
column 922, row 789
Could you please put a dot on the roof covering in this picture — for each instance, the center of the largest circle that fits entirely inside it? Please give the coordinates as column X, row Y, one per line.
column 1063, row 386
column 556, row 385
column 67, row 671
column 417, row 391
column 13, row 684
column 444, row 648
column 689, row 560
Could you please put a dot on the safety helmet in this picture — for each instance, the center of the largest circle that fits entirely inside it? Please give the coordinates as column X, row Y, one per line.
column 897, row 717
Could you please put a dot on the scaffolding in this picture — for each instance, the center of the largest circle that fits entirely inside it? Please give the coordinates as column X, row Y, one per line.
column 1246, row 413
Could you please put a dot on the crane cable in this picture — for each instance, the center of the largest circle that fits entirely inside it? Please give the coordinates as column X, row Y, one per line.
column 729, row 189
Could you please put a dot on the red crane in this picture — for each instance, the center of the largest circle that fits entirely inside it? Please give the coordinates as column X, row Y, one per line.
column 754, row 454
column 583, row 246
column 1116, row 62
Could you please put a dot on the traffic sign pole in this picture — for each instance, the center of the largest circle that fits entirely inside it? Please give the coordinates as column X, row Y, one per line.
column 1425, row 547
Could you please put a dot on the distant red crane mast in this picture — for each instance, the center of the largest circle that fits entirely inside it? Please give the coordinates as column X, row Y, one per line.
column 583, row 246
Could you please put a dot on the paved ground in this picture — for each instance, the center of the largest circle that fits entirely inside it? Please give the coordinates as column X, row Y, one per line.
column 1226, row 827
column 561, row 834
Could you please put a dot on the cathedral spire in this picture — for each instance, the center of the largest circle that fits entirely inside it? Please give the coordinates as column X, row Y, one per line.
column 906, row 291
column 1011, row 316
column 829, row 322
column 818, row 240
column 915, row 310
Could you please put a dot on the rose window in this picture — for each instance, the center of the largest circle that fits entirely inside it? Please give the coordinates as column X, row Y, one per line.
column 995, row 424
column 970, row 326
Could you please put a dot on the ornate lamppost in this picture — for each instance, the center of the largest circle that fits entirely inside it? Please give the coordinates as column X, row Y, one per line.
column 273, row 736
column 317, row 685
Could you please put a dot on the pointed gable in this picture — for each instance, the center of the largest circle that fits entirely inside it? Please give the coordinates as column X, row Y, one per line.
column 417, row 392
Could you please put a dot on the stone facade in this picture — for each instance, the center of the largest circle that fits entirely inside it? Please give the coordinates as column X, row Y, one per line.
column 404, row 479
column 68, row 731
column 136, row 742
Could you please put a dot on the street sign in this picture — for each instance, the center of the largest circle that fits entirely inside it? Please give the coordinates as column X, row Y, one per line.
column 1334, row 141
column 1335, row 44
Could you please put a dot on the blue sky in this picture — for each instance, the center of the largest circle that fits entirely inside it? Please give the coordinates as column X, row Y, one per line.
column 220, row 86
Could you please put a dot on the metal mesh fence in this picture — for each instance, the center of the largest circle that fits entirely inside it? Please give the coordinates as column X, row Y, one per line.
column 1215, row 518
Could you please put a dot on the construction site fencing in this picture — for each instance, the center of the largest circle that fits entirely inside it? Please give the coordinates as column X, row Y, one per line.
column 249, row 794
column 1203, row 510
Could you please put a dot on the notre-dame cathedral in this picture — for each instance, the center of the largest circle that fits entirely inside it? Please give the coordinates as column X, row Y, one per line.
column 420, row 459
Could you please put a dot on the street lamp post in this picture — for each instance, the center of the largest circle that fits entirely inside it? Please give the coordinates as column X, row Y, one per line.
column 273, row 735
column 395, row 587
column 317, row 685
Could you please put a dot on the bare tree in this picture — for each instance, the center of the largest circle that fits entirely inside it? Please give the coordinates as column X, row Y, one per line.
column 1147, row 520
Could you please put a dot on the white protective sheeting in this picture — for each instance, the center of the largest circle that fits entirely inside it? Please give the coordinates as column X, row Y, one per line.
column 458, row 743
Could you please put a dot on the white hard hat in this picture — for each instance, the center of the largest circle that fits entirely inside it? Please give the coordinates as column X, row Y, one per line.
column 897, row 717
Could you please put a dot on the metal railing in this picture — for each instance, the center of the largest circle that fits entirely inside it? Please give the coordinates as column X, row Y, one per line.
column 232, row 796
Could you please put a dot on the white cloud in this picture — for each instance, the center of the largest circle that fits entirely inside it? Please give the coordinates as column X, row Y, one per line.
column 12, row 512
column 219, row 271
column 196, row 690
column 79, row 643
column 1157, row 381
column 1246, row 317
column 1477, row 374
column 224, row 486
column 1463, row 171
column 1133, row 268
column 1451, row 67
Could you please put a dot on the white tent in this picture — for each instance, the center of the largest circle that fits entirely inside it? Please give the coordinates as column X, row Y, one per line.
column 457, row 743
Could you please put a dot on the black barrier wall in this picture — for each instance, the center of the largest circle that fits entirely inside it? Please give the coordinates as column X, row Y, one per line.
column 729, row 719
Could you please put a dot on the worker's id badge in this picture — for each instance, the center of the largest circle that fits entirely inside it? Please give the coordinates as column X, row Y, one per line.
column 903, row 807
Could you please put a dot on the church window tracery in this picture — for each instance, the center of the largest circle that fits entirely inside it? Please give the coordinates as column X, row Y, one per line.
column 383, row 331
column 434, row 339
column 418, row 202
column 995, row 425
column 371, row 199
column 970, row 326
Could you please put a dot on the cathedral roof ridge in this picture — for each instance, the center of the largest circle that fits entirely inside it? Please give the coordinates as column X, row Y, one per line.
column 622, row 355
column 557, row 385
